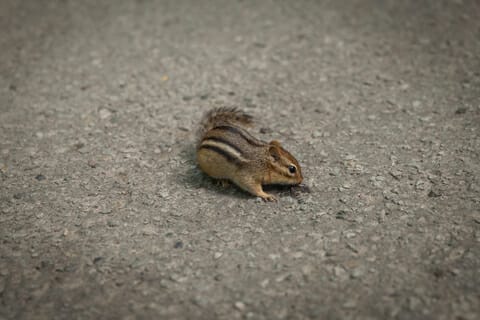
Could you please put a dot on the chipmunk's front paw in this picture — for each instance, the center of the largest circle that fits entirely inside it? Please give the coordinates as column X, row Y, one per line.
column 269, row 198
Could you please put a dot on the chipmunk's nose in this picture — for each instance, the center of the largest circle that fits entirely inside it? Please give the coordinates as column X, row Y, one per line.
column 300, row 177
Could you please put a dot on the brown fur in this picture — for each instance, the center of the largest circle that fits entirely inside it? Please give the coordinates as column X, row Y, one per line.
column 223, row 116
column 227, row 151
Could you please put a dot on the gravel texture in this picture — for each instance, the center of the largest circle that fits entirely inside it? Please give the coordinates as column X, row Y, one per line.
column 104, row 214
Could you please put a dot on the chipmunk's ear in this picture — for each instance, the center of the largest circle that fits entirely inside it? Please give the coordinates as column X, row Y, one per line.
column 275, row 143
column 274, row 150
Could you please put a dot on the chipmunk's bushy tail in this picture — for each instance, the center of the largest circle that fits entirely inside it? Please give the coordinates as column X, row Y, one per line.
column 223, row 116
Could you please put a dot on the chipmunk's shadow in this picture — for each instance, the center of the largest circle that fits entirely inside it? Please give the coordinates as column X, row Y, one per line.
column 193, row 178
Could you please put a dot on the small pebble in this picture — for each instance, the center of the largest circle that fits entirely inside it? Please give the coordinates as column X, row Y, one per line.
column 340, row 273
column 335, row 171
column 358, row 272
column 240, row 306
column 104, row 113
column 97, row 260
column 40, row 177
column 91, row 163
column 104, row 211
column 178, row 245
column 176, row 213
column 350, row 235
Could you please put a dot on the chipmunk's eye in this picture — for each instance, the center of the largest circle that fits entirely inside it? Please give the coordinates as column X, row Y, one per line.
column 292, row 169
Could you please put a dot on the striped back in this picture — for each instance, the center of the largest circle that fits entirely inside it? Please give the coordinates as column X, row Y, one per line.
column 233, row 143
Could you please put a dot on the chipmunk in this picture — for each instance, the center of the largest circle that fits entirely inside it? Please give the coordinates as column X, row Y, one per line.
column 226, row 151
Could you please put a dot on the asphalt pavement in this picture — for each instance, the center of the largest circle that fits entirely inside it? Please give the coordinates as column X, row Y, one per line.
column 105, row 215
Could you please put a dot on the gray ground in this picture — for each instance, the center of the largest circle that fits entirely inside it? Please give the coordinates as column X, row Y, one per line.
column 103, row 213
